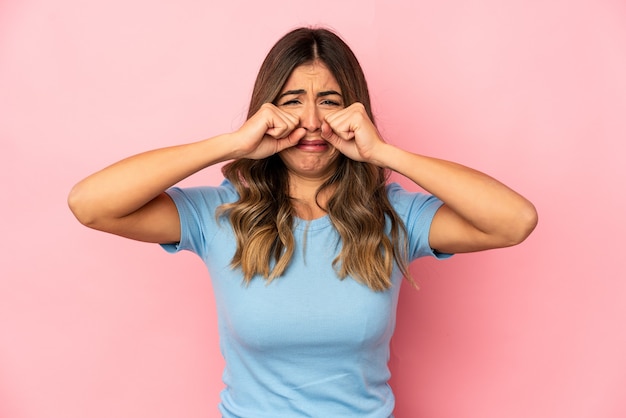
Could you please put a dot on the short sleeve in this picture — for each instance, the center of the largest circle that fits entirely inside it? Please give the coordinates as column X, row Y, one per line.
column 196, row 210
column 417, row 211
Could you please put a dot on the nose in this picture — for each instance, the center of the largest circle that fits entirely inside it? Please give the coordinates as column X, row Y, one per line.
column 310, row 118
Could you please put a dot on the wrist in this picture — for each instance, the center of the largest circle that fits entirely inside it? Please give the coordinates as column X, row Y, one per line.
column 215, row 150
column 385, row 156
column 230, row 147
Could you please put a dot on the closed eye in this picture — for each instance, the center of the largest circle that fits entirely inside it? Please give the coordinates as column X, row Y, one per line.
column 290, row 102
column 329, row 102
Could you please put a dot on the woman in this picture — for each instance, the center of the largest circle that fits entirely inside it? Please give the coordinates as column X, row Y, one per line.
column 304, row 241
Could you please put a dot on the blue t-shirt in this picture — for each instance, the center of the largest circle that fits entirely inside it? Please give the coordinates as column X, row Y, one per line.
column 307, row 344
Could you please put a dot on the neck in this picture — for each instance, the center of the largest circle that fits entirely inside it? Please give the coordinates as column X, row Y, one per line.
column 307, row 202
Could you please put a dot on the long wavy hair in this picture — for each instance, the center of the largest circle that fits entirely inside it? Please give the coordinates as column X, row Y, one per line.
column 373, row 237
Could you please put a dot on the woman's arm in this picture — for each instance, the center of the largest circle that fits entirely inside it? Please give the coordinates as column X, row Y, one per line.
column 479, row 212
column 128, row 199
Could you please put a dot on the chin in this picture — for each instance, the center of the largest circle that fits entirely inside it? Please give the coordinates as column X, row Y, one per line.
column 310, row 164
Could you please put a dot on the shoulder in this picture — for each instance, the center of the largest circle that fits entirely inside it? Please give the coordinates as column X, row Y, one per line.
column 224, row 193
column 407, row 203
column 202, row 200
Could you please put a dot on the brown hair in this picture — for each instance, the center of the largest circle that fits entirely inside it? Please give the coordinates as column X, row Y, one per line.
column 359, row 209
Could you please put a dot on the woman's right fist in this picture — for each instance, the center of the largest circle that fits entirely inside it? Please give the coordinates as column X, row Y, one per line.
column 267, row 132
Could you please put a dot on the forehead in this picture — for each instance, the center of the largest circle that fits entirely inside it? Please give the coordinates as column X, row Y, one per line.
column 311, row 75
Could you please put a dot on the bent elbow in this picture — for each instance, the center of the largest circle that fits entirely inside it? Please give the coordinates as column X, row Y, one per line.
column 79, row 207
column 525, row 223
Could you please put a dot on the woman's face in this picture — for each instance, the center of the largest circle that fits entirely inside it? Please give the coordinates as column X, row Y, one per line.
column 310, row 93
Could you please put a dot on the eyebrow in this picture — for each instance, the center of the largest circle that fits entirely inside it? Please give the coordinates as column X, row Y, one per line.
column 328, row 93
column 302, row 91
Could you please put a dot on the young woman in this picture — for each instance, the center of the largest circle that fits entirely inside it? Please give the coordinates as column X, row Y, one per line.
column 305, row 242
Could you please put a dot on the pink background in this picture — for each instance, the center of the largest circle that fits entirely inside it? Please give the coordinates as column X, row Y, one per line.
column 531, row 92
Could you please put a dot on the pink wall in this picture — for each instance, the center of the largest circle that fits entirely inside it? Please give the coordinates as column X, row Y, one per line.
column 531, row 92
